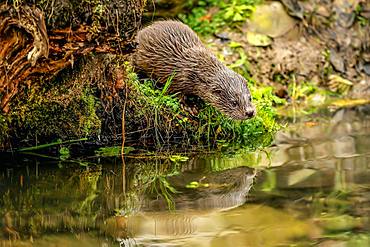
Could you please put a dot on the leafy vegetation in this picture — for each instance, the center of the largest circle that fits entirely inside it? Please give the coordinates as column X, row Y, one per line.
column 208, row 16
column 210, row 127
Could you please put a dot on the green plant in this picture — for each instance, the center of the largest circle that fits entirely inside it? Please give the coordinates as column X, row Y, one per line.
column 47, row 145
column 210, row 16
column 301, row 90
column 159, row 109
column 253, row 133
column 238, row 10
column 166, row 118
column 64, row 153
column 361, row 19
column 241, row 64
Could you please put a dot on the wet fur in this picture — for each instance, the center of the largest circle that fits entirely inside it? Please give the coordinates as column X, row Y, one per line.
column 170, row 47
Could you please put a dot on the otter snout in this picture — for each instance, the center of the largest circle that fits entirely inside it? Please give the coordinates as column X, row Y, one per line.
column 250, row 112
column 243, row 113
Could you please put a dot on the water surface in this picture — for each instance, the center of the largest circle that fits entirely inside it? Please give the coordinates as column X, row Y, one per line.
column 312, row 187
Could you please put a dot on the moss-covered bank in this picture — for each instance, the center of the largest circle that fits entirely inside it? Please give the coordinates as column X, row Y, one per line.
column 90, row 104
column 84, row 97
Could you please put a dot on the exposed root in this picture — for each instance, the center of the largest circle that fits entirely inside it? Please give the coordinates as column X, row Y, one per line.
column 29, row 52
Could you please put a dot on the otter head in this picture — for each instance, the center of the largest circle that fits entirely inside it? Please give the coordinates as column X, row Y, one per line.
column 228, row 92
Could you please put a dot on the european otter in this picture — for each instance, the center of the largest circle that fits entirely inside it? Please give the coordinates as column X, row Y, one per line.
column 168, row 48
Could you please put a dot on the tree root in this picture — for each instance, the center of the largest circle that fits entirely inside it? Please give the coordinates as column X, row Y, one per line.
column 29, row 52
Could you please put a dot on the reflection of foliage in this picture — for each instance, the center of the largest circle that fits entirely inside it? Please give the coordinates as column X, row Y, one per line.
column 160, row 186
column 152, row 178
column 89, row 178
column 332, row 210
column 269, row 183
column 146, row 178
column 233, row 158
column 335, row 202
column 197, row 184
column 62, row 199
column 178, row 158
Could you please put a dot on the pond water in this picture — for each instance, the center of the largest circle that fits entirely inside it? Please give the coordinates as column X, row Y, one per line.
column 312, row 187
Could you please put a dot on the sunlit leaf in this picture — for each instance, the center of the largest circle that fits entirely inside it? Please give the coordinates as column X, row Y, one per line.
column 258, row 39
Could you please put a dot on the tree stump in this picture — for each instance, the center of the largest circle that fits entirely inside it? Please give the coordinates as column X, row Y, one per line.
column 42, row 41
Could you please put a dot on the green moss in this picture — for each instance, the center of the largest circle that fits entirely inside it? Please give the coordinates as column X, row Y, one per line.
column 152, row 109
column 89, row 122
column 64, row 108
column 4, row 129
column 41, row 116
column 214, row 127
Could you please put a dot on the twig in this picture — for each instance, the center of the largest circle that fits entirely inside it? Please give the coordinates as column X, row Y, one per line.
column 123, row 144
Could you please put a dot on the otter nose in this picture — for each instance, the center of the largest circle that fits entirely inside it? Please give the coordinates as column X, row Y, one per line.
column 251, row 112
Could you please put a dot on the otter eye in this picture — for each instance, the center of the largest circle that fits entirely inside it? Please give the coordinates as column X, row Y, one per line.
column 217, row 91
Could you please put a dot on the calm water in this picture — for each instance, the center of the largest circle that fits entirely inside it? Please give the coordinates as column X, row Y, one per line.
column 311, row 188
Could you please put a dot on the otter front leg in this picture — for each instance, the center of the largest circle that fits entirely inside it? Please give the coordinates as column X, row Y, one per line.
column 191, row 104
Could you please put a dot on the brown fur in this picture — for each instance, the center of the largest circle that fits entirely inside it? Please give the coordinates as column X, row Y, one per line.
column 170, row 47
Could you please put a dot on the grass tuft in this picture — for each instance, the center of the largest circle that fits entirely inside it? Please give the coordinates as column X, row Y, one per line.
column 169, row 122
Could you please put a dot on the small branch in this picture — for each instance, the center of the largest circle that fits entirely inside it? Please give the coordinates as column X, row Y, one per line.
column 123, row 144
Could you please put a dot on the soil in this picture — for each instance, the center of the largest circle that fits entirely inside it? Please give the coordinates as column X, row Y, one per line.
column 325, row 42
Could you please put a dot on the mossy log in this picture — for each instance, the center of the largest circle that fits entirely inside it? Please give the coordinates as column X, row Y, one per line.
column 47, row 50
